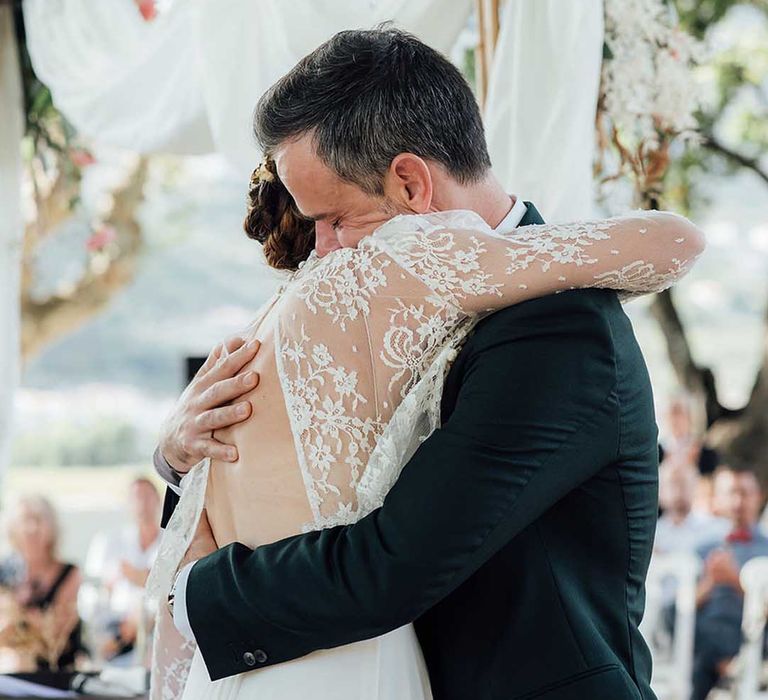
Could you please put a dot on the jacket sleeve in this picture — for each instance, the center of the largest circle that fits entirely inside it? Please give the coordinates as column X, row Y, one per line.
column 535, row 415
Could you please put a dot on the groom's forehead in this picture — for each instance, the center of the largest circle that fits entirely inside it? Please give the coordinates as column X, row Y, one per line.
column 314, row 186
column 301, row 170
column 298, row 156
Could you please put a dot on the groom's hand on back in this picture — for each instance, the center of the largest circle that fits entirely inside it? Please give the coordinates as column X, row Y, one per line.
column 208, row 403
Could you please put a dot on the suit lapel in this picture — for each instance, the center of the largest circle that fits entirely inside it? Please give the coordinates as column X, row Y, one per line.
column 532, row 216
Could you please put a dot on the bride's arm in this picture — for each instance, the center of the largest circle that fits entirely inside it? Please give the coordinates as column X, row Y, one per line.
column 481, row 271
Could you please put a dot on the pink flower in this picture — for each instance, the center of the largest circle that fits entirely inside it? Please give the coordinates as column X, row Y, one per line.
column 148, row 9
column 101, row 238
column 81, row 157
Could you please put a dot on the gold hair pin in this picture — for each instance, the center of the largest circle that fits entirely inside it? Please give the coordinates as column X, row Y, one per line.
column 263, row 173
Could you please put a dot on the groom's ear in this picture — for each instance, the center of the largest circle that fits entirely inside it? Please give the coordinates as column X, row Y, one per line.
column 409, row 183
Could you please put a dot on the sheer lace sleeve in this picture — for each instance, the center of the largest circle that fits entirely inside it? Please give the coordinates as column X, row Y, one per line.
column 171, row 658
column 466, row 263
column 355, row 334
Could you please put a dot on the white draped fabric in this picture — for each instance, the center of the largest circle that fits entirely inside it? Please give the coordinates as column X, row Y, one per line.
column 542, row 100
column 187, row 82
column 118, row 79
column 11, row 222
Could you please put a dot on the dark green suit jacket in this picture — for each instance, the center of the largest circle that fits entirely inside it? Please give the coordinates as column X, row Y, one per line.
column 517, row 537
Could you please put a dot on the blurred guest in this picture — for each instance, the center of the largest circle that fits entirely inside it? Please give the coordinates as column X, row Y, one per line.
column 40, row 620
column 681, row 528
column 121, row 561
column 722, row 485
column 719, row 596
column 683, row 444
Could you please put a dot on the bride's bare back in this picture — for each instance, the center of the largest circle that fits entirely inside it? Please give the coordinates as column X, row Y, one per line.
column 261, row 497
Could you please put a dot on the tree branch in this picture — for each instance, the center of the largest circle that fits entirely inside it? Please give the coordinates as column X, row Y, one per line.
column 44, row 321
column 752, row 164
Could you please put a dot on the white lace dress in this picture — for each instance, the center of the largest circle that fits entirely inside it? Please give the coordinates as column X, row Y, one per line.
column 363, row 340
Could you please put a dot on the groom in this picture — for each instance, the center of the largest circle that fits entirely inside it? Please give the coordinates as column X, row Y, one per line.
column 518, row 536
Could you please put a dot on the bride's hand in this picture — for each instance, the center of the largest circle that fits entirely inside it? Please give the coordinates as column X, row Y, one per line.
column 187, row 434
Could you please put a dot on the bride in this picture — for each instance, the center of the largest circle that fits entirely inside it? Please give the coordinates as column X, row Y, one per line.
column 355, row 346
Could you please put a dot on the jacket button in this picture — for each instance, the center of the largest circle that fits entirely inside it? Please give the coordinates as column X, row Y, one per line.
column 260, row 655
column 249, row 659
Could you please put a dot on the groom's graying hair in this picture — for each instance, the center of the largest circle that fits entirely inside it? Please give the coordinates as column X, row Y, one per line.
column 367, row 96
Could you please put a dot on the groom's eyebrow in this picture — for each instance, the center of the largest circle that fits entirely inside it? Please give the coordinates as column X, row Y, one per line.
column 316, row 217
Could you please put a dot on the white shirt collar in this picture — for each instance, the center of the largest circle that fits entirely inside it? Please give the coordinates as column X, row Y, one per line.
column 513, row 218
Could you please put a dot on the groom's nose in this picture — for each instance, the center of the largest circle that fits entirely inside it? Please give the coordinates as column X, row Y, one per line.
column 326, row 240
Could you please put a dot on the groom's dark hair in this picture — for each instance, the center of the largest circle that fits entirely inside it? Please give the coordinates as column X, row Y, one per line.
column 368, row 95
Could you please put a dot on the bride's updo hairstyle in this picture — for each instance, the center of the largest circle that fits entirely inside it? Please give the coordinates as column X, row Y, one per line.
column 274, row 220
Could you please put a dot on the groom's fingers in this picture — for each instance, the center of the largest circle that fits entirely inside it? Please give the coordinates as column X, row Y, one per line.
column 216, row 418
column 209, row 447
column 229, row 365
column 225, row 348
column 225, row 390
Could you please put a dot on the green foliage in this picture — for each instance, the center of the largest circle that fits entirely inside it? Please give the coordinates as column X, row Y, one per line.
column 468, row 69
column 47, row 131
column 698, row 15
column 105, row 441
column 734, row 121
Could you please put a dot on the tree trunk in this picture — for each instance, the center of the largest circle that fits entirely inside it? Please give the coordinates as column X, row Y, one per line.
column 742, row 436
column 739, row 435
column 699, row 381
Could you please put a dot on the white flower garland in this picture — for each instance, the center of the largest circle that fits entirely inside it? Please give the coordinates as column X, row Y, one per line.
column 648, row 90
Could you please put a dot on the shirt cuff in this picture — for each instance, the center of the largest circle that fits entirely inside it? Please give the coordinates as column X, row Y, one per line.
column 180, row 617
column 166, row 472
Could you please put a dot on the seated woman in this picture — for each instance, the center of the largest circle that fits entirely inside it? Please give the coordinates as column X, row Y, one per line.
column 119, row 562
column 40, row 626
column 354, row 349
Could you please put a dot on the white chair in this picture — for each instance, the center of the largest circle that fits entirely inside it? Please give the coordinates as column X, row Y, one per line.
column 672, row 668
column 749, row 665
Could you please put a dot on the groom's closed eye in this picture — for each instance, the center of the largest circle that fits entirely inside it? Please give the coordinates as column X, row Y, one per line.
column 315, row 217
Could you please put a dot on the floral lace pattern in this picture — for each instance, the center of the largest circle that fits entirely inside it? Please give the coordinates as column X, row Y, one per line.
column 462, row 262
column 340, row 396
column 568, row 245
column 171, row 653
column 343, row 290
column 631, row 279
column 430, row 252
column 415, row 332
column 331, row 419
column 171, row 659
